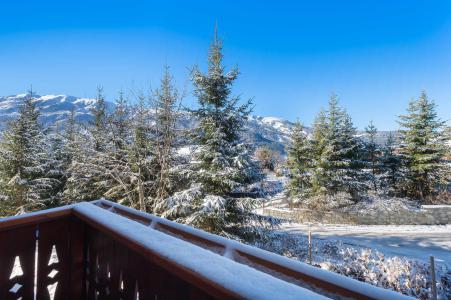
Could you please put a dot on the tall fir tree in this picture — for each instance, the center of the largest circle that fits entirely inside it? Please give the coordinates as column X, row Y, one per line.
column 26, row 178
column 223, row 165
column 337, row 163
column 142, row 155
column 422, row 147
column 299, row 163
column 166, row 103
column 224, row 161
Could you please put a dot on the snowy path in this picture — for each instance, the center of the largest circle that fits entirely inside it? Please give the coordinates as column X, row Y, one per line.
column 415, row 241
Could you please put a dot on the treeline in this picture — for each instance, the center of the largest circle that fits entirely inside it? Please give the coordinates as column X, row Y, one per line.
column 130, row 156
column 334, row 167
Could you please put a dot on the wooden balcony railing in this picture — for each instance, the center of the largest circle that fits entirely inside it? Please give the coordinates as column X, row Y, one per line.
column 103, row 250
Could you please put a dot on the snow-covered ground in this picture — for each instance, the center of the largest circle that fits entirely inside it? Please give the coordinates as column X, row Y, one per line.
column 399, row 262
column 390, row 256
column 413, row 241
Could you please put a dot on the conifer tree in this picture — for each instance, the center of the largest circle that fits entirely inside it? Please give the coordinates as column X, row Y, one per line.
column 142, row 155
column 318, row 144
column 166, row 101
column 224, row 161
column 57, row 163
column 87, row 177
column 222, row 166
column 116, row 160
column 372, row 152
column 355, row 180
column 99, row 126
column 422, row 147
column 299, row 162
column 120, row 122
column 26, row 178
column 391, row 167
column 337, row 163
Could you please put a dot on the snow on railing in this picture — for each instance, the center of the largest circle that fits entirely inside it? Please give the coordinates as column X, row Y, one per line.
column 320, row 281
column 237, row 279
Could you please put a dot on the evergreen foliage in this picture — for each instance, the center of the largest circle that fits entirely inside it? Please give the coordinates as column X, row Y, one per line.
column 299, row 163
column 222, row 164
column 372, row 152
column 223, row 160
column 88, row 179
column 114, row 162
column 166, row 104
column 142, row 155
column 422, row 147
column 391, row 168
column 337, row 164
column 27, row 180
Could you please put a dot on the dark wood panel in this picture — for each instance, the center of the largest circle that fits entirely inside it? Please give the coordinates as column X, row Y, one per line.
column 77, row 276
column 54, row 259
column 20, row 243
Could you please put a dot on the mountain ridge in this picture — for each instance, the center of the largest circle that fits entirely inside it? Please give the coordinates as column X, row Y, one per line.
column 271, row 132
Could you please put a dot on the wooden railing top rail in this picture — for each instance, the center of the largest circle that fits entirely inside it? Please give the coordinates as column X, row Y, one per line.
column 318, row 280
column 36, row 217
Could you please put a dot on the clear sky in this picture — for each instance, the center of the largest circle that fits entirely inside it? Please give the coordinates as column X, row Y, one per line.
column 376, row 55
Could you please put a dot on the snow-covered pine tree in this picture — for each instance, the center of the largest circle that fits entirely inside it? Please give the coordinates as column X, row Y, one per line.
column 99, row 126
column 166, row 102
column 352, row 150
column 337, row 163
column 390, row 168
column 318, row 144
column 69, row 135
column 299, row 163
column 372, row 154
column 26, row 178
column 116, row 160
column 77, row 145
column 142, row 155
column 120, row 122
column 222, row 166
column 422, row 147
column 87, row 178
column 57, row 164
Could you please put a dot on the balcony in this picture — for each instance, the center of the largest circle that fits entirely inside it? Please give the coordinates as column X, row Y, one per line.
column 103, row 250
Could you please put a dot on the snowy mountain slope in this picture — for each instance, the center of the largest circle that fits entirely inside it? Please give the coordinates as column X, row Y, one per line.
column 53, row 108
column 269, row 131
column 261, row 131
column 272, row 132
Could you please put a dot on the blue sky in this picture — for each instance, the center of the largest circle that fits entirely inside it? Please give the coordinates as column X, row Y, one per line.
column 376, row 55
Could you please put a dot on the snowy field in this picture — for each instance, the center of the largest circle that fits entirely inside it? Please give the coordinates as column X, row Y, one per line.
column 391, row 257
column 413, row 241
